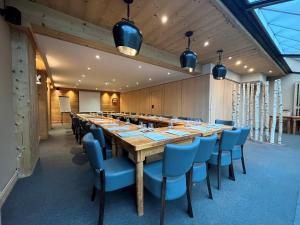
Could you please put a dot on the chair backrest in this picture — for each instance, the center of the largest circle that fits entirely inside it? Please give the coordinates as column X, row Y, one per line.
column 206, row 147
column 98, row 135
column 243, row 136
column 182, row 118
column 93, row 150
column 229, row 139
column 225, row 122
column 178, row 159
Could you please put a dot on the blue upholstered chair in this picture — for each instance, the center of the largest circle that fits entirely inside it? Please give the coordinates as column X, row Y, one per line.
column 99, row 136
column 171, row 178
column 110, row 175
column 200, row 167
column 225, row 122
column 222, row 154
column 238, row 150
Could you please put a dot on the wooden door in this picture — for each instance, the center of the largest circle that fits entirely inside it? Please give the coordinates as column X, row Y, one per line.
column 156, row 101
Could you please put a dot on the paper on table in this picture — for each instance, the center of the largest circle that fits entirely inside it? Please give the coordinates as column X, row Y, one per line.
column 118, row 128
column 156, row 136
column 200, row 128
column 110, row 124
column 130, row 133
column 178, row 132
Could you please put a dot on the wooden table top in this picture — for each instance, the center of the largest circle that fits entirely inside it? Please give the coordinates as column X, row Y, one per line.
column 141, row 142
column 288, row 117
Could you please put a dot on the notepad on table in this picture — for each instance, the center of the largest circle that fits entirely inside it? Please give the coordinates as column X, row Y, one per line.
column 130, row 133
column 156, row 136
column 178, row 132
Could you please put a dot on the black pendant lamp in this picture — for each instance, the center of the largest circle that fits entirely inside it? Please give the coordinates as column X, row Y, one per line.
column 128, row 38
column 188, row 58
column 219, row 71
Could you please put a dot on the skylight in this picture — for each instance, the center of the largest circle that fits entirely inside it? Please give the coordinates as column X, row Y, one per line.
column 282, row 22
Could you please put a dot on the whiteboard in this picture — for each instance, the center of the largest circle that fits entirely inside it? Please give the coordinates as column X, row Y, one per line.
column 89, row 101
column 64, row 104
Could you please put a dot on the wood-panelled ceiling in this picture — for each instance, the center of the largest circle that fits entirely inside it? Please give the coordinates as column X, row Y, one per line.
column 207, row 18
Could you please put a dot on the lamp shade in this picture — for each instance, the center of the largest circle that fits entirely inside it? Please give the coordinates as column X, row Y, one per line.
column 188, row 60
column 219, row 72
column 128, row 38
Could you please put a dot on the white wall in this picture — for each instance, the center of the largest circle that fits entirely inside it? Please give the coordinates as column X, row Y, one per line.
column 8, row 148
column 288, row 81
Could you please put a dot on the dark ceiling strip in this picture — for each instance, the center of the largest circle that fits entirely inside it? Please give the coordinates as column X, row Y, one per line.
column 264, row 3
column 249, row 20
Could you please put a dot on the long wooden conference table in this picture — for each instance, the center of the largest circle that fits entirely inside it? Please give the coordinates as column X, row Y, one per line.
column 141, row 143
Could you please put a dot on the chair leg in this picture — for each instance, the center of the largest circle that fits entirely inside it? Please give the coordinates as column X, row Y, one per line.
column 219, row 171
column 243, row 161
column 189, row 191
column 102, row 197
column 208, row 183
column 231, row 169
column 163, row 201
column 93, row 193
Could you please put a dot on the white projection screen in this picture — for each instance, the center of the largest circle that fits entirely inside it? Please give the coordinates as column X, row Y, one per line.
column 89, row 101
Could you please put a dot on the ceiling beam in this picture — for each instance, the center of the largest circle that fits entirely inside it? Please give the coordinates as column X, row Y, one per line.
column 291, row 55
column 251, row 24
column 264, row 3
column 49, row 22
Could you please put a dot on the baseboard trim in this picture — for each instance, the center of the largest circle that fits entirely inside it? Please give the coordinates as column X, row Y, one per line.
column 7, row 189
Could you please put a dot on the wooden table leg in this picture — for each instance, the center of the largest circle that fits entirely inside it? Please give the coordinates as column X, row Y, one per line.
column 140, row 187
column 289, row 126
column 113, row 147
column 294, row 126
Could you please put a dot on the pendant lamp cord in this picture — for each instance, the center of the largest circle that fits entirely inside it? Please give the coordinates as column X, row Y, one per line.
column 220, row 56
column 189, row 43
column 128, row 11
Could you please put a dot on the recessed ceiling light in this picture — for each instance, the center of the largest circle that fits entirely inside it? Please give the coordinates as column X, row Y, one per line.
column 79, row 80
column 96, row 89
column 245, row 66
column 150, row 78
column 120, row 88
column 106, row 83
column 251, row 70
column 169, row 73
column 98, row 57
column 113, row 80
column 230, row 57
column 238, row 62
column 89, row 68
column 206, row 43
column 83, row 75
column 127, row 85
column 137, row 83
column 270, row 71
column 140, row 67
column 164, row 19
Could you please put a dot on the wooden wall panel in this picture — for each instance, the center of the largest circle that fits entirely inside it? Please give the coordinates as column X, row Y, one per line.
column 172, row 99
column 156, row 99
column 188, row 97
column 106, row 99
column 43, row 106
column 195, row 97
column 73, row 94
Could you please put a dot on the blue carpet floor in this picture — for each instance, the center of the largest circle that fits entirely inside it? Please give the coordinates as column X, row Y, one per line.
column 58, row 193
